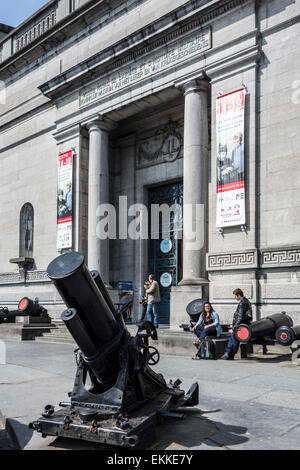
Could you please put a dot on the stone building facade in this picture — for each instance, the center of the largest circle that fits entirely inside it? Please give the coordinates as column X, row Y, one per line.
column 131, row 87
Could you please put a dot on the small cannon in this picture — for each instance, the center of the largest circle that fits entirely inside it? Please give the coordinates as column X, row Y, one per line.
column 193, row 309
column 266, row 327
column 26, row 307
column 117, row 398
column 286, row 335
column 31, row 308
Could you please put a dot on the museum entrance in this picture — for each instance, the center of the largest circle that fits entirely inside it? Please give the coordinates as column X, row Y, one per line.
column 165, row 252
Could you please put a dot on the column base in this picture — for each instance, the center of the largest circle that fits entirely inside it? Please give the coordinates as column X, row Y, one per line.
column 199, row 281
column 181, row 296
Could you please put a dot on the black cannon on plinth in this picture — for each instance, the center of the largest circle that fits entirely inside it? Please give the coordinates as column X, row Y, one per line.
column 26, row 308
column 266, row 327
column 286, row 335
column 117, row 398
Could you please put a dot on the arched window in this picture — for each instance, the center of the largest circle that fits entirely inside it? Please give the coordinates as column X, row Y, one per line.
column 53, row 19
column 26, row 231
column 39, row 29
column 48, row 22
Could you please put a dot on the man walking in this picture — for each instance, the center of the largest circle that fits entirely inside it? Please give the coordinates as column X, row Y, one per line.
column 243, row 314
column 153, row 298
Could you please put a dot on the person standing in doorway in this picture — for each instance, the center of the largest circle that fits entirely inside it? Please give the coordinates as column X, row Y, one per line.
column 153, row 299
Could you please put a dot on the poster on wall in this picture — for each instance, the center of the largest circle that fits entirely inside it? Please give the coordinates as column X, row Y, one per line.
column 64, row 199
column 230, row 159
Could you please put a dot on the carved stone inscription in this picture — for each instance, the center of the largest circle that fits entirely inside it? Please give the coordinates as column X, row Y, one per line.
column 153, row 64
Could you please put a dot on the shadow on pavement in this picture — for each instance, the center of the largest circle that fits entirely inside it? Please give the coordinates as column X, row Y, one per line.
column 271, row 358
column 194, row 430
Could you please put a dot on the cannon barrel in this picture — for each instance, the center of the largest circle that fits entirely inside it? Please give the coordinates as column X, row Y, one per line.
column 89, row 318
column 78, row 289
column 286, row 335
column 101, row 286
column 30, row 307
column 265, row 327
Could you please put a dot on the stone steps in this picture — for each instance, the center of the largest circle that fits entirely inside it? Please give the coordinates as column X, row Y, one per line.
column 170, row 342
column 20, row 332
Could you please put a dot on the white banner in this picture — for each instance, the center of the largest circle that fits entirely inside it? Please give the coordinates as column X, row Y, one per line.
column 64, row 199
column 230, row 159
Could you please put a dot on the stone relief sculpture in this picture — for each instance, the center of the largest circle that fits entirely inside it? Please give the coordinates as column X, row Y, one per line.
column 164, row 146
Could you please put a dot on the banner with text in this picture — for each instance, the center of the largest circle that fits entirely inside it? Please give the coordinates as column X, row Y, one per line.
column 230, row 159
column 64, row 199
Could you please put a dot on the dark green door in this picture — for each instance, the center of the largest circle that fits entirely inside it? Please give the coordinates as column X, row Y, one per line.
column 165, row 253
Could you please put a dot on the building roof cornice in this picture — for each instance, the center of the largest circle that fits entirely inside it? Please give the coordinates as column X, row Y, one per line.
column 143, row 41
column 190, row 15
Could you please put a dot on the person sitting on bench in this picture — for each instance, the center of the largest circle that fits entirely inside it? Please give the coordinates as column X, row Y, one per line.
column 208, row 324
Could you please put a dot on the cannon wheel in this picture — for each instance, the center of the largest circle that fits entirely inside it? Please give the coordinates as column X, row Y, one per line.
column 153, row 356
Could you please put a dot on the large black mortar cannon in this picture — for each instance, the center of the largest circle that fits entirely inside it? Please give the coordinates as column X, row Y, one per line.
column 266, row 327
column 125, row 398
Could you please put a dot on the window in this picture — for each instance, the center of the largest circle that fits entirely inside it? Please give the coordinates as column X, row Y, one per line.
column 26, row 231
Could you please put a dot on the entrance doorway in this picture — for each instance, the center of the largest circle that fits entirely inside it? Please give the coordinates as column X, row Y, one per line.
column 165, row 254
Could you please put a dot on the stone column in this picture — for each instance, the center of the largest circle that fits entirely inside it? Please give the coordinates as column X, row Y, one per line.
column 195, row 180
column 98, row 250
column 195, row 192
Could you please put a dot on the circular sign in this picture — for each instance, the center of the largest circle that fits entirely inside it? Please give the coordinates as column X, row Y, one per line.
column 166, row 279
column 166, row 245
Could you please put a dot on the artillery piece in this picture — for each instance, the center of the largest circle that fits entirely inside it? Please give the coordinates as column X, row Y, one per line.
column 26, row 308
column 126, row 398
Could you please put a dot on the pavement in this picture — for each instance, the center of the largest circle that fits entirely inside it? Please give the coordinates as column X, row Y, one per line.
column 246, row 404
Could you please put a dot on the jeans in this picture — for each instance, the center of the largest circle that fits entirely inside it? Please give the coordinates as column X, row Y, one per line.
column 202, row 332
column 152, row 309
column 232, row 346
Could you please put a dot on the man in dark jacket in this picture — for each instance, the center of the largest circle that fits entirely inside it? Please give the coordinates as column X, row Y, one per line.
column 243, row 314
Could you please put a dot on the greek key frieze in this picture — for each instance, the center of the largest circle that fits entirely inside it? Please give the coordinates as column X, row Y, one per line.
column 237, row 260
column 10, row 278
column 17, row 278
column 278, row 257
column 36, row 276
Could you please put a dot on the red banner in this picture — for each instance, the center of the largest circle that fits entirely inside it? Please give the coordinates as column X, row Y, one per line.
column 230, row 110
column 64, row 199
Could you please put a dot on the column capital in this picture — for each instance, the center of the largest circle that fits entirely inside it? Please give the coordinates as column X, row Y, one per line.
column 194, row 84
column 101, row 123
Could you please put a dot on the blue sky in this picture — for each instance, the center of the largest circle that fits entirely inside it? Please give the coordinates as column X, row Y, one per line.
column 14, row 12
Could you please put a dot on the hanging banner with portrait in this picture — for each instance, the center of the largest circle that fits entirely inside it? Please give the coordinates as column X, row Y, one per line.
column 64, row 199
column 230, row 111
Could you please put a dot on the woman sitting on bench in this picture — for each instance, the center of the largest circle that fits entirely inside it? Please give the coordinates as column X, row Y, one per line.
column 208, row 324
